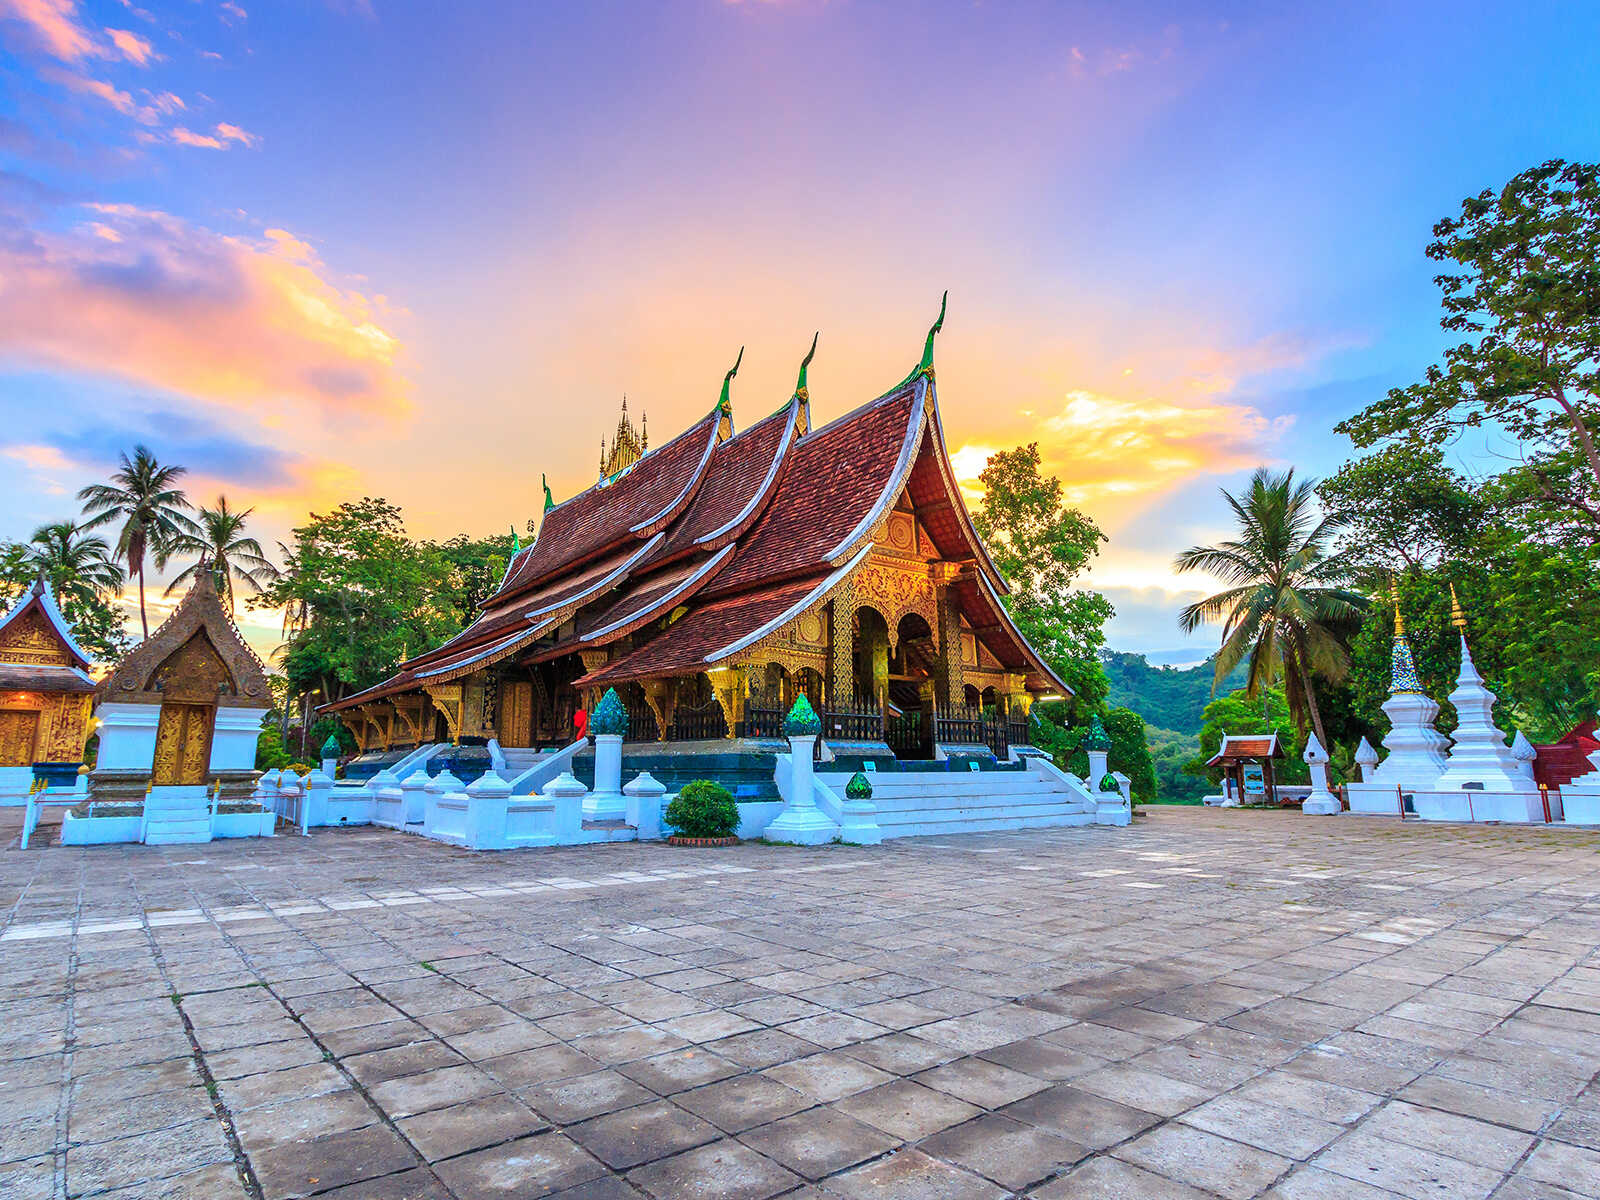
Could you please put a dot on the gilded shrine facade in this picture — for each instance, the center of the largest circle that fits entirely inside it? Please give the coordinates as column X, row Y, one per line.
column 45, row 696
column 715, row 578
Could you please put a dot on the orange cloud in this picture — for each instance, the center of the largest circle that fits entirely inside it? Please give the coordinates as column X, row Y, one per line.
column 232, row 133
column 122, row 101
column 51, row 26
column 222, row 319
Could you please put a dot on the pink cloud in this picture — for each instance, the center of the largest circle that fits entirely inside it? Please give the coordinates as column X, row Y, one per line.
column 232, row 133
column 52, row 27
column 225, row 320
column 132, row 47
column 187, row 137
column 122, row 101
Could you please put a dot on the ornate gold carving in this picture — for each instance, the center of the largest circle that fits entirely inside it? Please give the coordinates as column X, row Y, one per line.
column 446, row 698
column 31, row 641
column 183, row 744
column 896, row 589
column 731, row 686
column 514, row 721
column 194, row 672
column 902, row 531
column 658, row 694
column 19, row 734
column 809, row 628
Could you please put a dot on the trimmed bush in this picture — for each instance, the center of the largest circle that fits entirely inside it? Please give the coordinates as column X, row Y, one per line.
column 703, row 809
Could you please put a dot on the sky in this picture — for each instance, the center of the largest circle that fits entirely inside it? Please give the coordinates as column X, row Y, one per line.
column 322, row 250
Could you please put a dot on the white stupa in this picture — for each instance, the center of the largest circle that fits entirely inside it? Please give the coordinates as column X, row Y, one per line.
column 1481, row 754
column 1415, row 748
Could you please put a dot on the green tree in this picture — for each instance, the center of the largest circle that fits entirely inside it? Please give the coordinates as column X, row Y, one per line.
column 143, row 495
column 1401, row 507
column 219, row 545
column 480, row 564
column 1285, row 609
column 83, row 577
column 362, row 595
column 1041, row 544
column 1130, row 753
column 1052, row 733
column 1520, row 284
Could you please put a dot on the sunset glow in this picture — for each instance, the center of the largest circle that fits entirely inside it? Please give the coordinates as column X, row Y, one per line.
column 318, row 252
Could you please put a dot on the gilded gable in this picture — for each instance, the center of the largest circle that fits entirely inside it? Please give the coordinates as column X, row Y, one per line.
column 194, row 672
column 30, row 640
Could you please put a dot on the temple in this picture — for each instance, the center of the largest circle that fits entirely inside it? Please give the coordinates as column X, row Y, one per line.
column 715, row 578
column 45, row 696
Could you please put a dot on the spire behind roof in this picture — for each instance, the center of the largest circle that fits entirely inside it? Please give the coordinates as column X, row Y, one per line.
column 725, row 403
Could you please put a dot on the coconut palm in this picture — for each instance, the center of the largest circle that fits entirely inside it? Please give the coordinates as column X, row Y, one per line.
column 143, row 495
column 221, row 547
column 78, row 564
column 1283, row 607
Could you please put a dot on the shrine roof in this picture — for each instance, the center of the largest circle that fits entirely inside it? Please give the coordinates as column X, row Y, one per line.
column 37, row 677
column 1239, row 747
column 704, row 635
column 837, row 479
column 740, row 479
column 200, row 610
column 992, row 625
column 40, row 596
column 635, row 505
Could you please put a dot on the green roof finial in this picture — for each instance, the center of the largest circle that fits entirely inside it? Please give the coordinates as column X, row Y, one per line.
column 925, row 367
column 800, row 384
column 549, row 500
column 723, row 403
column 516, row 542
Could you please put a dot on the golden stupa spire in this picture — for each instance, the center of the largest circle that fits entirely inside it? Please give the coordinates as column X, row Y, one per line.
column 1457, row 617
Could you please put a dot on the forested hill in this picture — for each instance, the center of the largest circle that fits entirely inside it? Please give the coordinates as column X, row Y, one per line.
column 1165, row 697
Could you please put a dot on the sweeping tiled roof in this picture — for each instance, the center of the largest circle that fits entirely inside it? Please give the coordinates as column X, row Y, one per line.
column 738, row 531
column 642, row 501
column 1236, row 746
column 835, row 477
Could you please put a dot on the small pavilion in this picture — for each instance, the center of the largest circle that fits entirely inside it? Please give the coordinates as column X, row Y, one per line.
column 1247, row 772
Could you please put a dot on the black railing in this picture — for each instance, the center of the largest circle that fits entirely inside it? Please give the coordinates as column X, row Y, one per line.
column 642, row 725
column 904, row 735
column 852, row 723
column 762, row 722
column 959, row 725
column 697, row 722
column 1016, row 732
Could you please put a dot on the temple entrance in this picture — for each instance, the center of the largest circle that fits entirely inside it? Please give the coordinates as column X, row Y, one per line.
column 183, row 744
column 911, row 669
column 19, row 735
column 515, row 726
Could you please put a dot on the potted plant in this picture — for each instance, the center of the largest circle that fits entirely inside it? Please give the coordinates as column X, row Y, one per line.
column 702, row 814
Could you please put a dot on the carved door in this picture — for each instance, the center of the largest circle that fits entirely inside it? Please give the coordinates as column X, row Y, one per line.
column 19, row 734
column 516, row 713
column 183, row 744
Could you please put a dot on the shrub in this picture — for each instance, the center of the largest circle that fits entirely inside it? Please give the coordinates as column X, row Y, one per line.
column 703, row 809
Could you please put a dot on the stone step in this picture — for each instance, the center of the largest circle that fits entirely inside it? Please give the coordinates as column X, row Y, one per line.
column 934, row 826
column 976, row 812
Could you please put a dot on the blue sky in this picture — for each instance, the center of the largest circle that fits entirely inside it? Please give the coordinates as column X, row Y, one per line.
column 317, row 251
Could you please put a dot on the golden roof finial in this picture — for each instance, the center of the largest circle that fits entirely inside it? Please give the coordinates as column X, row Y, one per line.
column 1457, row 617
column 1399, row 621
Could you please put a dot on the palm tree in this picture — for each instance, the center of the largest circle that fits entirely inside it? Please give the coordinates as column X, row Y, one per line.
column 218, row 541
column 1283, row 607
column 143, row 495
column 78, row 565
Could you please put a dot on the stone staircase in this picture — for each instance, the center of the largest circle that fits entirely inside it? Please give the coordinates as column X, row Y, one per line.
column 519, row 759
column 175, row 815
column 915, row 803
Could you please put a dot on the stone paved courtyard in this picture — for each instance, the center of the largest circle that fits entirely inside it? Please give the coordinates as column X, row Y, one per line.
column 1206, row 1004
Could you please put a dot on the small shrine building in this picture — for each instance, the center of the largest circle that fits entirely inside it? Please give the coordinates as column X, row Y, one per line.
column 715, row 578
column 45, row 695
column 1247, row 759
column 184, row 707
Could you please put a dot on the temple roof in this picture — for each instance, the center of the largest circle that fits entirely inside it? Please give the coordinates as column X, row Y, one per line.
column 739, row 532
column 200, row 610
column 40, row 598
column 1241, row 747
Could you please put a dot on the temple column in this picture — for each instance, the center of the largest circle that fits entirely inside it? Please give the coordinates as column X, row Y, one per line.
column 841, row 651
column 951, row 678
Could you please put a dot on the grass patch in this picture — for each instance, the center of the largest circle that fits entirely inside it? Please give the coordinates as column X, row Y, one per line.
column 428, row 966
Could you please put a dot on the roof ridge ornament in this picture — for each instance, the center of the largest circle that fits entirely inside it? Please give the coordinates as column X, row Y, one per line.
column 549, row 500
column 925, row 367
column 800, row 383
column 724, row 404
